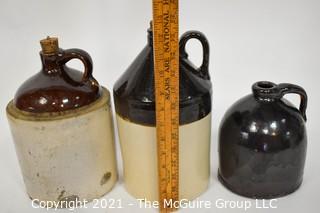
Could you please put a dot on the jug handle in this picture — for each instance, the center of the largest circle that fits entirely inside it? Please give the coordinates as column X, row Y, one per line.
column 285, row 88
column 203, row 69
column 84, row 57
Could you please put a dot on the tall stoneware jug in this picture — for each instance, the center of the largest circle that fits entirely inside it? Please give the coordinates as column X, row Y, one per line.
column 62, row 127
column 135, row 110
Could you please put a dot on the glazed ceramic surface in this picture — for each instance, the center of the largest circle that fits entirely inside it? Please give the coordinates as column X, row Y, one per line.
column 68, row 155
column 134, row 91
column 135, row 108
column 58, row 87
column 139, row 151
column 263, row 141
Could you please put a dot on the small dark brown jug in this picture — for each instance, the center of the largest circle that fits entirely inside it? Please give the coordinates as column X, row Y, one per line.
column 57, row 87
column 263, row 142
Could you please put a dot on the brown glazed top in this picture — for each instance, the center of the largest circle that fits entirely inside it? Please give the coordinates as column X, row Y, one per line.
column 134, row 91
column 57, row 87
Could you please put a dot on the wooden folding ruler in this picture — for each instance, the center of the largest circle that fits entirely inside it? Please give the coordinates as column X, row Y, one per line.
column 166, row 69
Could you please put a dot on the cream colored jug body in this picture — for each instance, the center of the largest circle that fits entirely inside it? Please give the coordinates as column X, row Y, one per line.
column 139, row 153
column 68, row 155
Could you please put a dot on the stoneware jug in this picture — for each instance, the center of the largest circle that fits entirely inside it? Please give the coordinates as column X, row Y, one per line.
column 263, row 141
column 61, row 123
column 135, row 109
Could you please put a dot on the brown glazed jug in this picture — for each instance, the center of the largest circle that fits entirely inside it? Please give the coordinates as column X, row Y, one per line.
column 57, row 87
column 61, row 123
column 135, row 109
column 263, row 142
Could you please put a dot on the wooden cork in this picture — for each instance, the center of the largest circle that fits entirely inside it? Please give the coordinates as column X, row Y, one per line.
column 49, row 45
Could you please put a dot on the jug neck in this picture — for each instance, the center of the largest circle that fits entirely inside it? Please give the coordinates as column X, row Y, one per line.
column 266, row 91
column 150, row 37
column 50, row 63
column 50, row 55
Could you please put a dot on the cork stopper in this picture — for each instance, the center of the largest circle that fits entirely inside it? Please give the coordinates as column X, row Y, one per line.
column 49, row 45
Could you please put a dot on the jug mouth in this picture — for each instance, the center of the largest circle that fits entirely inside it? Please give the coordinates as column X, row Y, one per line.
column 265, row 90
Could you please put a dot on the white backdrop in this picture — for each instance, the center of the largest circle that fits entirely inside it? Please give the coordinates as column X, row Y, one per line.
column 251, row 40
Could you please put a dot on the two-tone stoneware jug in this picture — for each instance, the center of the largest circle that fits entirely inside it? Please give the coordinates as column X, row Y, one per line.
column 135, row 110
column 263, row 142
column 61, row 123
